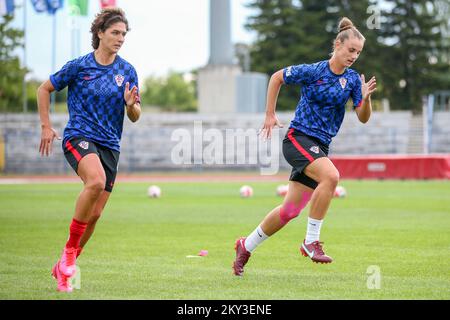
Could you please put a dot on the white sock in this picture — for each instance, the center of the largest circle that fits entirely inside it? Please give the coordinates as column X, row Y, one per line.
column 255, row 239
column 313, row 230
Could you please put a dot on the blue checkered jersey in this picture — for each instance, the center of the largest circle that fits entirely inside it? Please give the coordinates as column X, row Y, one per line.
column 95, row 98
column 324, row 94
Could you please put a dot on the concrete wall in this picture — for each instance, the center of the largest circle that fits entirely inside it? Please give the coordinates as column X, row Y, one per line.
column 383, row 133
column 149, row 144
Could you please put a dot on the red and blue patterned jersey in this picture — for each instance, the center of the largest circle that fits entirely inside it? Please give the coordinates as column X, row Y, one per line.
column 321, row 108
column 95, row 98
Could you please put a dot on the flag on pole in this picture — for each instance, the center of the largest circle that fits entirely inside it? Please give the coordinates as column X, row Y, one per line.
column 78, row 7
column 107, row 3
column 39, row 5
column 54, row 5
column 6, row 7
column 50, row 6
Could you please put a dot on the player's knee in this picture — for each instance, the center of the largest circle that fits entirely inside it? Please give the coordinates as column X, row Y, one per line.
column 96, row 185
column 335, row 178
column 288, row 212
column 332, row 179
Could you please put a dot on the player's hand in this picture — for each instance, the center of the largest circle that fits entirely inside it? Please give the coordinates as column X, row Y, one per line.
column 131, row 96
column 270, row 122
column 48, row 134
column 368, row 88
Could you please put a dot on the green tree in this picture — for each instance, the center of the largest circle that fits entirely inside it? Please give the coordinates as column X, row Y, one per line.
column 443, row 7
column 171, row 93
column 294, row 32
column 11, row 73
column 415, row 62
column 60, row 98
column 32, row 86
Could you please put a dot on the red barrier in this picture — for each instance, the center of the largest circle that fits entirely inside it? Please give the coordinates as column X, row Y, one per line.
column 393, row 166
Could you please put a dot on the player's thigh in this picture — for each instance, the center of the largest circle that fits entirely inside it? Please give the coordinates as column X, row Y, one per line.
column 295, row 192
column 302, row 178
column 322, row 169
column 90, row 169
column 110, row 162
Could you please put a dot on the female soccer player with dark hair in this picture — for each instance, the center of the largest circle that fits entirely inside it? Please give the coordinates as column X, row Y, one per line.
column 326, row 87
column 101, row 86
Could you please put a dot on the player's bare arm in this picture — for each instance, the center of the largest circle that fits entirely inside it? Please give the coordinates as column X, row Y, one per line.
column 48, row 134
column 365, row 110
column 271, row 120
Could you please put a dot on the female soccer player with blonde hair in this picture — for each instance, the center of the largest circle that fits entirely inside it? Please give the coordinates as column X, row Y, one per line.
column 326, row 87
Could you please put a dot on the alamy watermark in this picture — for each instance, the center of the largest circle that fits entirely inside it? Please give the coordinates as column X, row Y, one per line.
column 374, row 277
column 374, row 21
column 75, row 281
column 226, row 147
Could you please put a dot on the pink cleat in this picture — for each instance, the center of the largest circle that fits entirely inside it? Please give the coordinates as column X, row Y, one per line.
column 62, row 280
column 242, row 256
column 67, row 263
column 315, row 252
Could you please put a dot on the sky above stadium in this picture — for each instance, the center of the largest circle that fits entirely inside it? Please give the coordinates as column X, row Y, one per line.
column 165, row 35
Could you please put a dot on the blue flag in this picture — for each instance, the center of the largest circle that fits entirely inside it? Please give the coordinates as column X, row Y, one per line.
column 54, row 5
column 50, row 6
column 6, row 7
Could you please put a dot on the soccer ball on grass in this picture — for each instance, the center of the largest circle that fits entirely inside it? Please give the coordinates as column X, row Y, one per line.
column 340, row 192
column 154, row 192
column 246, row 191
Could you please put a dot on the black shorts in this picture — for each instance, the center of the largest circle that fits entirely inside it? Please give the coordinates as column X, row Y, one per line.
column 76, row 148
column 300, row 150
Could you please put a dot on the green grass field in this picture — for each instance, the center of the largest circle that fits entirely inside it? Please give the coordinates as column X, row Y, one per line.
column 140, row 246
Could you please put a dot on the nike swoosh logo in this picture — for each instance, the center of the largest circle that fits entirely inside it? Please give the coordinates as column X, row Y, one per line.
column 310, row 254
column 258, row 234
